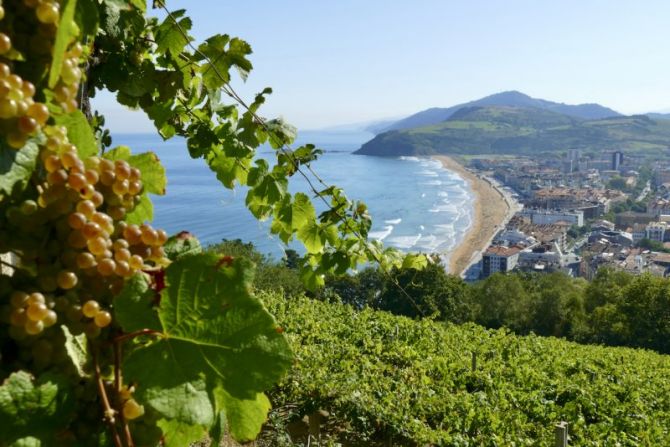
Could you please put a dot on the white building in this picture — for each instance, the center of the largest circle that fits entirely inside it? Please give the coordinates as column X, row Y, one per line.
column 498, row 258
column 656, row 231
column 546, row 217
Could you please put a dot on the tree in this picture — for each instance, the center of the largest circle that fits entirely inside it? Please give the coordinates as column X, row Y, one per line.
column 101, row 312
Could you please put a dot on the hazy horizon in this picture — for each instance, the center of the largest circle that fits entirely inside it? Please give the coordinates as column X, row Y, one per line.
column 339, row 64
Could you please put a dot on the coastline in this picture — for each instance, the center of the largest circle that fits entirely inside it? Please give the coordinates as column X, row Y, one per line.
column 492, row 208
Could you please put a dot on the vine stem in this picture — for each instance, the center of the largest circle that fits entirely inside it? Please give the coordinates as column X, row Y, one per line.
column 118, row 384
column 107, row 408
column 228, row 90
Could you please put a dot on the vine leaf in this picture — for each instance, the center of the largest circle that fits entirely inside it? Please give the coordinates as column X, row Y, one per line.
column 36, row 408
column 77, row 350
column 67, row 30
column 169, row 37
column 16, row 167
column 244, row 417
column 143, row 211
column 79, row 133
column 212, row 328
column 133, row 306
column 181, row 244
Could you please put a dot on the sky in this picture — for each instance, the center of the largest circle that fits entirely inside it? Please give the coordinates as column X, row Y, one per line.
column 338, row 62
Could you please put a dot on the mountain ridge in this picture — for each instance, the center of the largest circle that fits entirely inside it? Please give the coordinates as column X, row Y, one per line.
column 521, row 130
column 435, row 115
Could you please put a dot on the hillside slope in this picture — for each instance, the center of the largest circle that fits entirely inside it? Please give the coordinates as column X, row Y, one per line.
column 388, row 380
column 511, row 99
column 522, row 130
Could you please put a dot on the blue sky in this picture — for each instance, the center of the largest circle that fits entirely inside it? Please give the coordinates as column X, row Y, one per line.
column 346, row 61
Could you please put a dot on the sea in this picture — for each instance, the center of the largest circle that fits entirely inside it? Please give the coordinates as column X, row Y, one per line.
column 415, row 203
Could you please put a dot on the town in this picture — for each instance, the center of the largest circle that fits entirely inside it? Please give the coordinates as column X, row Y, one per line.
column 577, row 213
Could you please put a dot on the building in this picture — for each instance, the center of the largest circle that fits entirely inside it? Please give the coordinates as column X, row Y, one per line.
column 655, row 231
column 547, row 217
column 639, row 232
column 498, row 258
column 617, row 160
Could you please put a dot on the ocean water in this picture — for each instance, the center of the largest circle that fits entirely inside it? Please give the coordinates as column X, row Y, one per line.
column 415, row 203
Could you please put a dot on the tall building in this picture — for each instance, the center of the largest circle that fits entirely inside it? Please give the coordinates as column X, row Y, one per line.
column 617, row 160
column 498, row 258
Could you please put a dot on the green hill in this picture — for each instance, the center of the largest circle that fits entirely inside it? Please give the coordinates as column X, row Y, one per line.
column 388, row 380
column 517, row 130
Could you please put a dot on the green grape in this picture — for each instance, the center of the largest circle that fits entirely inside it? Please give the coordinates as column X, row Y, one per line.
column 76, row 221
column 132, row 410
column 47, row 12
column 39, row 112
column 28, row 207
column 102, row 319
column 50, row 318
column 7, row 108
column 90, row 308
column 18, row 299
column 36, row 311
column 33, row 327
column 91, row 230
column 106, row 267
column 66, row 279
column 85, row 260
column 5, row 43
column 27, row 125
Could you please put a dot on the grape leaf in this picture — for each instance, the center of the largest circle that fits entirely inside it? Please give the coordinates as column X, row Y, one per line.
column 153, row 172
column 414, row 261
column 133, row 306
column 214, row 328
column 16, row 167
column 79, row 133
column 76, row 349
column 36, row 408
column 312, row 237
column 176, row 433
column 245, row 417
column 181, row 244
column 143, row 211
column 169, row 36
column 67, row 30
column 302, row 211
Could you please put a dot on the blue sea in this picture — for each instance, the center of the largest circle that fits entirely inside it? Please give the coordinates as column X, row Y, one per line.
column 415, row 203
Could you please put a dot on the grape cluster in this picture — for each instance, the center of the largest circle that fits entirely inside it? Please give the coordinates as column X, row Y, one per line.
column 93, row 250
column 30, row 312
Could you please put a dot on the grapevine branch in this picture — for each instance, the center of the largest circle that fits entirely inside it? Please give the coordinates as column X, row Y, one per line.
column 286, row 150
column 108, row 411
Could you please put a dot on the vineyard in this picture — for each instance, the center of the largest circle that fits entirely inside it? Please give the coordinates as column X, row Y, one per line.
column 391, row 380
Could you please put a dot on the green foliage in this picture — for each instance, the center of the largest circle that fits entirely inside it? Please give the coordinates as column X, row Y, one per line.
column 649, row 244
column 35, row 408
column 388, row 380
column 175, row 347
column 270, row 275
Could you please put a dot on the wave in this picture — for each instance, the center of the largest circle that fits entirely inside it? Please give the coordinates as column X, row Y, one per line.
column 428, row 173
column 431, row 183
column 382, row 234
column 409, row 158
column 393, row 221
column 405, row 242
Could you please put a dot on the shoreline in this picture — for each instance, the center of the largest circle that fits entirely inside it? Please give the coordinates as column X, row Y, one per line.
column 492, row 208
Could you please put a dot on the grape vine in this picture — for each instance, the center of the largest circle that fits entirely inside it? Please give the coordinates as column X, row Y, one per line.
column 111, row 332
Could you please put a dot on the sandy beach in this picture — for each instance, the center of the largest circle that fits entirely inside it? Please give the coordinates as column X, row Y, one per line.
column 491, row 210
